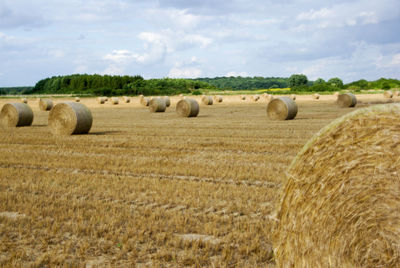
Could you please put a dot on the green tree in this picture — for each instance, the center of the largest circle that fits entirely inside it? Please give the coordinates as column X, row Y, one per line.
column 319, row 81
column 336, row 82
column 385, row 85
column 297, row 80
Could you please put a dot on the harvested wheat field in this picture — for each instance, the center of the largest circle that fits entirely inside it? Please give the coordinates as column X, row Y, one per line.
column 152, row 189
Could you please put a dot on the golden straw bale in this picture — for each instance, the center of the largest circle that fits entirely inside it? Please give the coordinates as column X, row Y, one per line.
column 101, row 100
column 396, row 93
column 45, row 104
column 16, row 115
column 167, row 101
column 24, row 100
column 207, row 100
column 157, row 105
column 69, row 118
column 218, row 98
column 340, row 202
column 388, row 94
column 114, row 101
column 77, row 99
column 145, row 101
column 126, row 99
column 346, row 100
column 336, row 94
column 255, row 98
column 283, row 108
column 315, row 96
column 242, row 97
column 187, row 108
column 293, row 97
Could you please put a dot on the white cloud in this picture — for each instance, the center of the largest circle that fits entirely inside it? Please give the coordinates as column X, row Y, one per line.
column 189, row 72
column 242, row 74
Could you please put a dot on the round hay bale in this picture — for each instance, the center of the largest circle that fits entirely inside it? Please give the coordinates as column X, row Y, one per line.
column 283, row 108
column 77, row 99
column 187, row 108
column 114, row 101
column 336, row 94
column 126, row 99
column 340, row 202
column 145, row 101
column 396, row 93
column 45, row 104
column 167, row 101
column 69, row 118
column 207, row 100
column 315, row 96
column 243, row 97
column 255, row 98
column 388, row 94
column 157, row 105
column 105, row 98
column 346, row 100
column 141, row 97
column 293, row 97
column 218, row 98
column 101, row 100
column 24, row 100
column 16, row 115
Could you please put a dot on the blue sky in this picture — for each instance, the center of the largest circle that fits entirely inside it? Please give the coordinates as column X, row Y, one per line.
column 199, row 38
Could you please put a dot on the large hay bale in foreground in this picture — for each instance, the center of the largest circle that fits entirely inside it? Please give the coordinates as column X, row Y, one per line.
column 346, row 100
column 283, row 108
column 167, row 101
column 315, row 96
column 24, row 100
column 16, row 115
column 157, row 105
column 187, row 108
column 340, row 204
column 388, row 94
column 114, row 101
column 45, row 104
column 145, row 101
column 70, row 118
column 207, row 100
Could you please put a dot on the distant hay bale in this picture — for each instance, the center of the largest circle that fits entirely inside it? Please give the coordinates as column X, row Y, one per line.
column 77, row 99
column 346, row 100
column 101, row 100
column 218, row 98
column 340, row 202
column 114, row 101
column 396, row 93
column 157, row 105
column 105, row 98
column 242, row 97
column 336, row 94
column 315, row 96
column 45, row 104
column 69, row 118
column 24, row 100
column 167, row 101
column 16, row 115
column 126, row 99
column 145, row 101
column 187, row 108
column 269, row 97
column 283, row 108
column 388, row 94
column 293, row 97
column 255, row 98
column 207, row 100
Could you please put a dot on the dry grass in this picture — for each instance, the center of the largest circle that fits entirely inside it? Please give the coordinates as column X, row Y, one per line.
column 200, row 193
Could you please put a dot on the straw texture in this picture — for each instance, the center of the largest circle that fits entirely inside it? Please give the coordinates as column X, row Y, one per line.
column 16, row 115
column 340, row 204
column 388, row 94
column 114, row 101
column 157, row 105
column 145, row 101
column 24, row 100
column 207, row 100
column 101, row 100
column 293, row 97
column 126, row 99
column 77, row 99
column 45, row 105
column 70, row 118
column 167, row 101
column 242, row 97
column 346, row 100
column 218, row 98
column 187, row 108
column 255, row 98
column 283, row 108
column 315, row 96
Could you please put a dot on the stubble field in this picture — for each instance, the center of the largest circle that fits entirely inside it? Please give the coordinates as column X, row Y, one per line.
column 151, row 189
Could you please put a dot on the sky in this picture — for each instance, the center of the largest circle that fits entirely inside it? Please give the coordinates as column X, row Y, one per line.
column 199, row 38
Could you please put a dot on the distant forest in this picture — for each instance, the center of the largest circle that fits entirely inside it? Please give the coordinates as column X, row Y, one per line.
column 134, row 85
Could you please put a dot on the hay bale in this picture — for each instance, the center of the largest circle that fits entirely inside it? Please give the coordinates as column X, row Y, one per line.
column 45, row 104
column 77, row 99
column 336, row 94
column 207, row 100
column 16, row 115
column 218, row 98
column 24, row 100
column 187, row 108
column 101, row 100
column 346, row 100
column 315, row 96
column 145, row 101
column 340, row 202
column 293, row 97
column 157, row 105
column 388, row 94
column 167, row 101
column 126, row 99
column 114, row 101
column 396, row 93
column 255, row 98
column 70, row 118
column 283, row 108
column 242, row 97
